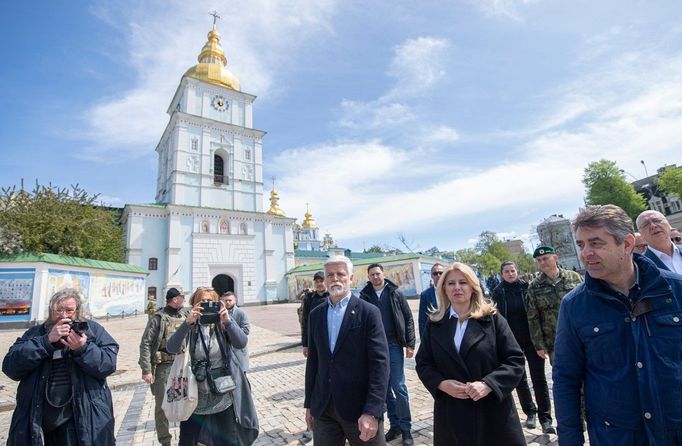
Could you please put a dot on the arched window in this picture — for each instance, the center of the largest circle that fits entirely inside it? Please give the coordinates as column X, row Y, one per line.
column 224, row 226
column 204, row 226
column 243, row 228
column 219, row 170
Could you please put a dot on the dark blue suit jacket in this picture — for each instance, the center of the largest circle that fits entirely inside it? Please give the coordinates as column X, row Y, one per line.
column 355, row 375
column 427, row 300
column 654, row 258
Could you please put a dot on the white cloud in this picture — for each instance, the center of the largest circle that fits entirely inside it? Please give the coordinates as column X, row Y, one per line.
column 373, row 115
column 417, row 65
column 509, row 9
column 163, row 42
column 441, row 134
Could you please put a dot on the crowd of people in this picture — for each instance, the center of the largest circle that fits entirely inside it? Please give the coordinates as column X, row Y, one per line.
column 613, row 340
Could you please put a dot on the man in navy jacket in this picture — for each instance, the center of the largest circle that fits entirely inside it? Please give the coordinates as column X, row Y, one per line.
column 346, row 375
column 618, row 337
column 428, row 299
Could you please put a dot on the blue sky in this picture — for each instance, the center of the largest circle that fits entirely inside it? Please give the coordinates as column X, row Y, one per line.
column 432, row 119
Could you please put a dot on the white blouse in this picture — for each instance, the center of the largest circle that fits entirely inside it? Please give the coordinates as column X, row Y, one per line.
column 460, row 329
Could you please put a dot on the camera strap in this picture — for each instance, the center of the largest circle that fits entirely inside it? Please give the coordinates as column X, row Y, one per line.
column 206, row 346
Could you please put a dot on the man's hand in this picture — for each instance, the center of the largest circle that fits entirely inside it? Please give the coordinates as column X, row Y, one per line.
column 59, row 330
column 305, row 352
column 409, row 352
column 74, row 341
column 368, row 426
column 149, row 379
column 309, row 420
column 454, row 388
column 477, row 390
column 542, row 354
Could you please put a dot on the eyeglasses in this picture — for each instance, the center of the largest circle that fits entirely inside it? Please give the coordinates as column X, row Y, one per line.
column 676, row 239
column 64, row 311
column 652, row 221
column 437, row 273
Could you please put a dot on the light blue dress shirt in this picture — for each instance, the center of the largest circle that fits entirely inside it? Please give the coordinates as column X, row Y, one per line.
column 335, row 318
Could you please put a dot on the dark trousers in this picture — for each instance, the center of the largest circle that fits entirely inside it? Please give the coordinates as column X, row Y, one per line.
column 330, row 429
column 219, row 429
column 64, row 435
column 536, row 366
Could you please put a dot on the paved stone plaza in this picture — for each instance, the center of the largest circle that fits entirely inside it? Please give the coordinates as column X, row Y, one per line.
column 277, row 379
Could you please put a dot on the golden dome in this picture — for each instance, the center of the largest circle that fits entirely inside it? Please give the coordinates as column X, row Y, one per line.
column 274, row 204
column 309, row 221
column 212, row 66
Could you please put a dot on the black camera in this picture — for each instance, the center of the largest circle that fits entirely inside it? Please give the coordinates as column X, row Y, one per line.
column 199, row 369
column 79, row 327
column 209, row 312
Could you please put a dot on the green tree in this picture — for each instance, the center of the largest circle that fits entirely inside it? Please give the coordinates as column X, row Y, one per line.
column 375, row 249
column 63, row 221
column 467, row 255
column 525, row 263
column 671, row 180
column 605, row 183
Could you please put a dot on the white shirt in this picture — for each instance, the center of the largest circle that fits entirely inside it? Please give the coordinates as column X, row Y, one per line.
column 460, row 329
column 378, row 292
column 673, row 263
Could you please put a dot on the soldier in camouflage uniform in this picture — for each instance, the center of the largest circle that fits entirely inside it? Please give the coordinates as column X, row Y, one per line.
column 155, row 361
column 544, row 297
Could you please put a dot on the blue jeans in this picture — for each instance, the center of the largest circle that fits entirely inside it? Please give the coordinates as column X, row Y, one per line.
column 397, row 399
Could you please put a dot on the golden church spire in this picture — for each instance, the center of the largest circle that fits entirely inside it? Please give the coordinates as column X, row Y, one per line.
column 212, row 66
column 274, row 203
column 309, row 221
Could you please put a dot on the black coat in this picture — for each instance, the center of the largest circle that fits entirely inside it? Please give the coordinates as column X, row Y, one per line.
column 488, row 353
column 355, row 374
column 27, row 362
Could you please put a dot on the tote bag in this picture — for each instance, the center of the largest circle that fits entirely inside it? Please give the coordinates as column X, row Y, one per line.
column 182, row 394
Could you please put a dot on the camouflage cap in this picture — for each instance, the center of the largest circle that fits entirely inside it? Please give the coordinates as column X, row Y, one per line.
column 542, row 250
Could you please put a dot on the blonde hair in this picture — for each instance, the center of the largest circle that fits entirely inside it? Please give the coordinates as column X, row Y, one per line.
column 199, row 294
column 478, row 307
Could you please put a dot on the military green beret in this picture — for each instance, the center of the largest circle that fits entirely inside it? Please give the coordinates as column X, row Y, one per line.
column 542, row 250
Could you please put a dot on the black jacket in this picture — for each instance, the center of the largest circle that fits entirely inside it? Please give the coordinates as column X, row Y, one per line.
column 355, row 374
column 402, row 314
column 27, row 362
column 488, row 353
column 512, row 303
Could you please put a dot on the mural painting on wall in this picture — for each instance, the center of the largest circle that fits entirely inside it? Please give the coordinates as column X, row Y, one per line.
column 402, row 275
column 58, row 279
column 116, row 294
column 16, row 294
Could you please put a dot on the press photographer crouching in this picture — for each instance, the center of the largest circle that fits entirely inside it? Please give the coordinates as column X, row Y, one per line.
column 225, row 414
column 62, row 365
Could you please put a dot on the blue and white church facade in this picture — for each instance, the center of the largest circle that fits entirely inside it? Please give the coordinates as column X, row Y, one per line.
column 208, row 227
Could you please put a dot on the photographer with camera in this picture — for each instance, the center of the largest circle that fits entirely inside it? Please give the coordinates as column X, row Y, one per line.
column 225, row 414
column 62, row 365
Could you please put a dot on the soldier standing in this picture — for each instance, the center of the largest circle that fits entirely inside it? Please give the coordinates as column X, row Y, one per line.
column 155, row 361
column 544, row 298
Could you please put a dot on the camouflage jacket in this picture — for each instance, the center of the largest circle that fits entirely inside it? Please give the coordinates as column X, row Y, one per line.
column 544, row 298
column 159, row 328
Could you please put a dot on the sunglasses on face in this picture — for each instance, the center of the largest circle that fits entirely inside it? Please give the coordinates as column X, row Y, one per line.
column 676, row 239
column 437, row 273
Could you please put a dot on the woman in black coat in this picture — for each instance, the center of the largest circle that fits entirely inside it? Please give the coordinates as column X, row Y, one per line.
column 470, row 362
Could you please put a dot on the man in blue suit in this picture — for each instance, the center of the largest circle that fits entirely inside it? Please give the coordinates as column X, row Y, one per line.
column 428, row 299
column 655, row 230
column 346, row 377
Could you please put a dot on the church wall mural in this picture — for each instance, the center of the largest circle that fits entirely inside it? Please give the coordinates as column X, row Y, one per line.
column 16, row 294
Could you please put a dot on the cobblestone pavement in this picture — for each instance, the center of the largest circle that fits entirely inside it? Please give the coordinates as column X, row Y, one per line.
column 277, row 379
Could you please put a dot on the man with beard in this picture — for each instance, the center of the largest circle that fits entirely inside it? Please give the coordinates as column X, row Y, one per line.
column 346, row 374
column 396, row 317
column 618, row 337
column 656, row 230
column 62, row 367
column 229, row 299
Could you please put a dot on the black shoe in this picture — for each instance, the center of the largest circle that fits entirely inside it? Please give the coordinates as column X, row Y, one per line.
column 392, row 433
column 407, row 439
column 531, row 421
column 547, row 427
